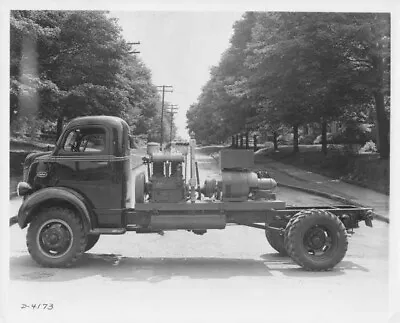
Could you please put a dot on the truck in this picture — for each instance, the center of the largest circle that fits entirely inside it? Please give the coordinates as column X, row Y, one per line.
column 85, row 188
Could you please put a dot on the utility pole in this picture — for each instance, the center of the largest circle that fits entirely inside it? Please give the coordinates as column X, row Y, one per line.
column 172, row 111
column 163, row 88
column 134, row 51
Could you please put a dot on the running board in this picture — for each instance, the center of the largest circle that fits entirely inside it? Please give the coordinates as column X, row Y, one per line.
column 108, row 231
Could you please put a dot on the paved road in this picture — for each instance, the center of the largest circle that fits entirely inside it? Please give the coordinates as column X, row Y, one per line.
column 230, row 275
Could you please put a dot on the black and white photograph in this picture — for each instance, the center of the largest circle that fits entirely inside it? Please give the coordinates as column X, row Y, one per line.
column 211, row 163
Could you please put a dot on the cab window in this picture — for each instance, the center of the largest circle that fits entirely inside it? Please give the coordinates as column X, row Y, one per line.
column 85, row 140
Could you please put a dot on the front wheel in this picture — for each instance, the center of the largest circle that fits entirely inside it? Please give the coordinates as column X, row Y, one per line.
column 316, row 240
column 56, row 238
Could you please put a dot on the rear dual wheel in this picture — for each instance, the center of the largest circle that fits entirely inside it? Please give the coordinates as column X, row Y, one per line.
column 316, row 240
column 277, row 238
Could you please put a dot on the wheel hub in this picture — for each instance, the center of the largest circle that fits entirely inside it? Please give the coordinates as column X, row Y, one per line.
column 55, row 238
column 317, row 240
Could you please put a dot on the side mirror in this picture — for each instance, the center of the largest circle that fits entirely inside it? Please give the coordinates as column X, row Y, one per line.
column 132, row 144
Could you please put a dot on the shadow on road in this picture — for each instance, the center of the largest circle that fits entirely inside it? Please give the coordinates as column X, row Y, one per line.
column 153, row 270
column 274, row 262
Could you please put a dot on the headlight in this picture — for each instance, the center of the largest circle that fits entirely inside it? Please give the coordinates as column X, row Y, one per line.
column 23, row 189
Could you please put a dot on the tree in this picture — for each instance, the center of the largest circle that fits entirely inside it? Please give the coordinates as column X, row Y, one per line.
column 90, row 52
column 73, row 63
column 32, row 35
column 293, row 69
column 278, row 70
column 143, row 108
column 369, row 53
column 221, row 104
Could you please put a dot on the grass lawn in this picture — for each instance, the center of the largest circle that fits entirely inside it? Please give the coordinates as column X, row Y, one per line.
column 366, row 170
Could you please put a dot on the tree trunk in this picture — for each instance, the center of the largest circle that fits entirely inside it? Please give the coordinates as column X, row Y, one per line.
column 59, row 127
column 247, row 140
column 255, row 142
column 383, row 126
column 233, row 141
column 241, row 141
column 296, row 138
column 323, row 137
column 275, row 141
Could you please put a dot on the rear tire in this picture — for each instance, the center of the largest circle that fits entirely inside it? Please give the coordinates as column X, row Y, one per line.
column 276, row 240
column 56, row 237
column 316, row 240
column 288, row 226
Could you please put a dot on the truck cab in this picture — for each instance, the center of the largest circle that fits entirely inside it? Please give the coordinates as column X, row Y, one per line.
column 87, row 172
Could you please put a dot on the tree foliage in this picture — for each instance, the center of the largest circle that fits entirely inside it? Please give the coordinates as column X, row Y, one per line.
column 65, row 64
column 294, row 69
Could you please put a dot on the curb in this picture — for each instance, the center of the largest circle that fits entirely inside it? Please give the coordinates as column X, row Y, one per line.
column 334, row 197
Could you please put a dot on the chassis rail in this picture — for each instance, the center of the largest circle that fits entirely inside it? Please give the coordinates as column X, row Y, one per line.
column 350, row 215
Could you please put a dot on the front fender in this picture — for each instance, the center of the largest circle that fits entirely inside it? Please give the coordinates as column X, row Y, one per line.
column 53, row 196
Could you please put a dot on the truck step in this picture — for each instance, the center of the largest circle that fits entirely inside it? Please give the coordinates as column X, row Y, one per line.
column 108, row 231
column 138, row 229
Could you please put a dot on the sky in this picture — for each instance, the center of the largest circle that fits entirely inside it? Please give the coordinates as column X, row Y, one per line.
column 179, row 48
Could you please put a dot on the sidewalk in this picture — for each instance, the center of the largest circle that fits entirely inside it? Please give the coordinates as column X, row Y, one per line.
column 295, row 178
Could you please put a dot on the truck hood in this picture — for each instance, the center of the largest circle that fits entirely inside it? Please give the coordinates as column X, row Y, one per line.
column 33, row 156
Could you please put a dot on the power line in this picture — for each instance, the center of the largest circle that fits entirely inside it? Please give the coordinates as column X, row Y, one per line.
column 173, row 110
column 163, row 88
column 134, row 51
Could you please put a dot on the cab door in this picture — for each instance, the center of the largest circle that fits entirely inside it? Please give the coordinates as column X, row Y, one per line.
column 83, row 164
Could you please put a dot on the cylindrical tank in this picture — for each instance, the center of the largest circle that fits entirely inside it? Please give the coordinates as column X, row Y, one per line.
column 266, row 183
column 153, row 147
column 236, row 185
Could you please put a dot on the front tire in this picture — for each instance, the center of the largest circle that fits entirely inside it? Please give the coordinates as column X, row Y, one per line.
column 316, row 240
column 56, row 237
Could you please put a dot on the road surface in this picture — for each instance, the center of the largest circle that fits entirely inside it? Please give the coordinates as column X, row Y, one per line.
column 230, row 275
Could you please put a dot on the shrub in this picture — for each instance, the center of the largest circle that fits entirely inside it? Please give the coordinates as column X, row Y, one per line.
column 329, row 139
column 354, row 134
column 369, row 147
column 27, row 127
column 286, row 139
column 306, row 140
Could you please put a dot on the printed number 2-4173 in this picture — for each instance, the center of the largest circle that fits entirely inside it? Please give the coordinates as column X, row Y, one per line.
column 40, row 306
